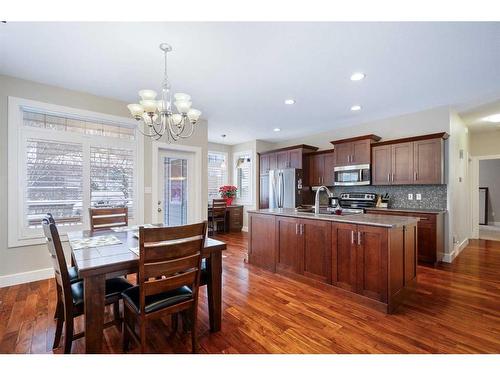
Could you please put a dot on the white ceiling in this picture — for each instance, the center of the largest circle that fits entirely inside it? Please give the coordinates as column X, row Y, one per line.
column 240, row 73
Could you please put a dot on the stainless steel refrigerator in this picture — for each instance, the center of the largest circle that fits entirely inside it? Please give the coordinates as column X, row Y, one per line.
column 285, row 188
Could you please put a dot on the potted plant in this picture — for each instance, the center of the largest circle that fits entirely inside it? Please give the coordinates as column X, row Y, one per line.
column 228, row 192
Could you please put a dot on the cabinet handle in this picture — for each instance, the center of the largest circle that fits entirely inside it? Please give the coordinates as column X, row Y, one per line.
column 416, row 176
column 301, row 229
column 392, row 177
column 389, row 176
column 296, row 228
column 352, row 236
column 359, row 238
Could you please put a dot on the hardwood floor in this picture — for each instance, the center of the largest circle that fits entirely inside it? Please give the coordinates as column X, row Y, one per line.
column 454, row 309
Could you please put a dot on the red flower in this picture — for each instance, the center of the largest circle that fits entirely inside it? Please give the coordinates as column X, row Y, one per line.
column 227, row 191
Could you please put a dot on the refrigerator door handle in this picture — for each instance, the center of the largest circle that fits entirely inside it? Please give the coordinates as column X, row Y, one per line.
column 281, row 186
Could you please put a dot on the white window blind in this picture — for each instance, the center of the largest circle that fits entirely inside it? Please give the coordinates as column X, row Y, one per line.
column 54, row 176
column 244, row 177
column 217, row 173
column 112, row 177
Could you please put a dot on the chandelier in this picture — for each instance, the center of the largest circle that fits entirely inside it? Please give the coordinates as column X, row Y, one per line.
column 156, row 117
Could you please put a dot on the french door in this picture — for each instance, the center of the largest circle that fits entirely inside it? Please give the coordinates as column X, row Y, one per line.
column 176, row 187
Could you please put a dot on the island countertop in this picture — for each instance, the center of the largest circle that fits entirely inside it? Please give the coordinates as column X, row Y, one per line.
column 385, row 221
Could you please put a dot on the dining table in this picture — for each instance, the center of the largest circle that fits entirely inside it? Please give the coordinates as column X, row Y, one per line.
column 114, row 253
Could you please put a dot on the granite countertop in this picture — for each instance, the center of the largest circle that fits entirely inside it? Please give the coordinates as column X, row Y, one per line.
column 387, row 221
column 416, row 210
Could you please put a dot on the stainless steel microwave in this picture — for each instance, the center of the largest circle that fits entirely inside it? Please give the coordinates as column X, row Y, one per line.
column 352, row 175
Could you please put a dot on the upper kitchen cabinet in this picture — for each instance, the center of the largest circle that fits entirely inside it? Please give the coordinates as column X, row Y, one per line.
column 352, row 151
column 320, row 168
column 289, row 157
column 409, row 161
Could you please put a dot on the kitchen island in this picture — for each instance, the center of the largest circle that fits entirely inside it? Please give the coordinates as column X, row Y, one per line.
column 370, row 258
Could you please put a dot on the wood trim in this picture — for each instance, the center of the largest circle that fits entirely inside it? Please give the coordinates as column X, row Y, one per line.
column 372, row 137
column 307, row 149
column 412, row 139
column 330, row 151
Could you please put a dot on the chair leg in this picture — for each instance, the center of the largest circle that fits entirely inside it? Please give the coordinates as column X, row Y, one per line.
column 59, row 304
column 59, row 327
column 143, row 336
column 116, row 314
column 175, row 322
column 68, row 334
column 194, row 338
column 125, row 329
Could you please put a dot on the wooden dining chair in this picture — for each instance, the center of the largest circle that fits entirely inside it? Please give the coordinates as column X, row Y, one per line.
column 168, row 279
column 218, row 214
column 106, row 218
column 70, row 298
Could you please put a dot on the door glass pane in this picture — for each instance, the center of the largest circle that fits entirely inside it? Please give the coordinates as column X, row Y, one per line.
column 175, row 191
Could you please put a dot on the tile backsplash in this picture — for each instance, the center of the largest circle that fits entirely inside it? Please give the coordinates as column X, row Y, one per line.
column 433, row 196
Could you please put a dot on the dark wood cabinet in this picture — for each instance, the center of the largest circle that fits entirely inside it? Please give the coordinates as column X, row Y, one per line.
column 354, row 150
column 287, row 244
column 344, row 256
column 430, row 233
column 235, row 218
column 316, row 253
column 290, row 157
column 295, row 158
column 321, row 169
column 264, row 164
column 261, row 241
column 428, row 161
column 409, row 161
column 273, row 162
column 283, row 159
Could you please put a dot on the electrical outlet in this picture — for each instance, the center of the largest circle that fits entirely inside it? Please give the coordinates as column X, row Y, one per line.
column 410, row 196
column 418, row 197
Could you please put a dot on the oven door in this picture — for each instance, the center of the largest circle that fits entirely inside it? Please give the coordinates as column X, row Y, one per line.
column 352, row 175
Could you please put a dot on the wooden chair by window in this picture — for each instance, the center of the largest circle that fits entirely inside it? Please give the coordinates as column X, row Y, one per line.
column 70, row 295
column 168, row 278
column 217, row 215
column 106, row 218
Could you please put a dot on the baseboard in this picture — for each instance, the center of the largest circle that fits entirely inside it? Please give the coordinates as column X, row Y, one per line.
column 26, row 277
column 244, row 229
column 448, row 258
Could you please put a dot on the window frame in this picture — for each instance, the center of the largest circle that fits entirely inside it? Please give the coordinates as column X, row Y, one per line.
column 18, row 233
column 236, row 156
column 226, row 175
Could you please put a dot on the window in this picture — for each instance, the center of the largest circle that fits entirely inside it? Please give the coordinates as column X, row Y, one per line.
column 67, row 161
column 217, row 173
column 243, row 177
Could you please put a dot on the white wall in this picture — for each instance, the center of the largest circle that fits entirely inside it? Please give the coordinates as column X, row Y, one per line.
column 485, row 143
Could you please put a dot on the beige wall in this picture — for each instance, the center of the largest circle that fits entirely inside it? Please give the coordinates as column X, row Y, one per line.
column 489, row 176
column 33, row 258
column 485, row 143
column 431, row 121
column 30, row 258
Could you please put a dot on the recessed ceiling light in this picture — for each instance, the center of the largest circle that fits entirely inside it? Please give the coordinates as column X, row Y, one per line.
column 223, row 136
column 492, row 118
column 355, row 108
column 290, row 101
column 358, row 76
column 277, row 129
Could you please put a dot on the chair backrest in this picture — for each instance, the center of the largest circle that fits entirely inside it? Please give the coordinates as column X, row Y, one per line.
column 172, row 252
column 57, row 255
column 105, row 218
column 219, row 207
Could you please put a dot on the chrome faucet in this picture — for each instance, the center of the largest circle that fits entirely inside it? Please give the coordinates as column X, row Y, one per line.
column 316, row 200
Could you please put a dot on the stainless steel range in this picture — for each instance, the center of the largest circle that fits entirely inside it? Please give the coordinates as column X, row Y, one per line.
column 356, row 202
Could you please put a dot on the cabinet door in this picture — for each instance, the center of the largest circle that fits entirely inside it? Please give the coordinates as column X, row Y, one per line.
column 328, row 165
column 316, row 251
column 426, row 233
column 428, row 161
column 264, row 191
column 287, row 244
column 344, row 256
column 381, row 165
column 371, row 262
column 283, row 159
column 273, row 162
column 402, row 163
column 235, row 218
column 261, row 241
column 361, row 152
column 343, row 153
column 264, row 164
column 318, row 169
column 295, row 157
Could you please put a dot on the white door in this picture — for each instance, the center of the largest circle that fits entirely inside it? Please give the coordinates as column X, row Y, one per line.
column 176, row 194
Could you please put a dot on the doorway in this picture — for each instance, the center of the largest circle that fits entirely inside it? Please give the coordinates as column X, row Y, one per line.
column 176, row 184
column 486, row 198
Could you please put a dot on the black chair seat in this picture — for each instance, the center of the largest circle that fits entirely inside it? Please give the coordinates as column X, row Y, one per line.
column 157, row 301
column 73, row 274
column 204, row 275
column 114, row 287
